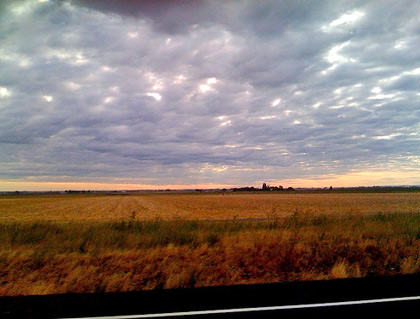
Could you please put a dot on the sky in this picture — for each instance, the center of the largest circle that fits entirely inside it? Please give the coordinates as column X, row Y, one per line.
column 202, row 94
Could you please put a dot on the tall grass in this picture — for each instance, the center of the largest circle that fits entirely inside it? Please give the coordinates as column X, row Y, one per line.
column 143, row 234
column 132, row 254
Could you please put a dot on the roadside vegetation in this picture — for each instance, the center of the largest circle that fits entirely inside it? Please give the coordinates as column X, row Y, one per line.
column 43, row 257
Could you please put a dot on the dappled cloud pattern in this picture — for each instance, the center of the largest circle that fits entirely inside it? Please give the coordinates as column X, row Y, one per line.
column 227, row 92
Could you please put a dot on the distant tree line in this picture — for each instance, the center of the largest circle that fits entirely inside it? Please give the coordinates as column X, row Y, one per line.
column 264, row 187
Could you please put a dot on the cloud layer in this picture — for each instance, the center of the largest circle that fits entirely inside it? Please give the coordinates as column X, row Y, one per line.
column 208, row 92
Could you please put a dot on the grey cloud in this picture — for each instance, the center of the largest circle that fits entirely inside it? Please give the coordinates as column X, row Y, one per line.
column 208, row 92
column 166, row 16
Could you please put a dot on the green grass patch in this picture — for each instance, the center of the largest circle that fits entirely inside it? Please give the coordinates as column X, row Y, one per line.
column 135, row 234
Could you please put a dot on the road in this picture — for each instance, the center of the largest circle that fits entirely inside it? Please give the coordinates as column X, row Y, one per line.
column 378, row 296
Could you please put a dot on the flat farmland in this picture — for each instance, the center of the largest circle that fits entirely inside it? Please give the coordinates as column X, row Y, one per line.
column 100, row 208
column 108, row 243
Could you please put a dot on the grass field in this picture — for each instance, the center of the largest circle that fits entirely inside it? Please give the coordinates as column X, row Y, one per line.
column 92, row 243
column 99, row 208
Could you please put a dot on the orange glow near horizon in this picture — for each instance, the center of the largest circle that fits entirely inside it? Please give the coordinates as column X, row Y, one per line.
column 357, row 178
column 352, row 179
column 61, row 186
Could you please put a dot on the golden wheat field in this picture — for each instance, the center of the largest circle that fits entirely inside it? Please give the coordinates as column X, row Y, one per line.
column 96, row 243
column 98, row 208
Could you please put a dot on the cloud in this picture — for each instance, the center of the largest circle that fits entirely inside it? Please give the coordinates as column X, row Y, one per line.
column 165, row 16
column 157, row 92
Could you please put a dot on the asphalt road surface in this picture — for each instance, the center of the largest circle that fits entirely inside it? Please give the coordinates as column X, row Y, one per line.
column 380, row 297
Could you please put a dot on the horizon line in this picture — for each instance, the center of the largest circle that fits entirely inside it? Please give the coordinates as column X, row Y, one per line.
column 168, row 189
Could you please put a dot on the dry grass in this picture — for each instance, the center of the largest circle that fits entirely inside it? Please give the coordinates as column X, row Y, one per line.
column 71, row 208
column 95, row 243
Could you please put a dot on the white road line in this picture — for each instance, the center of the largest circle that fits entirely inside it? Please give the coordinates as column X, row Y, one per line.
column 254, row 309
